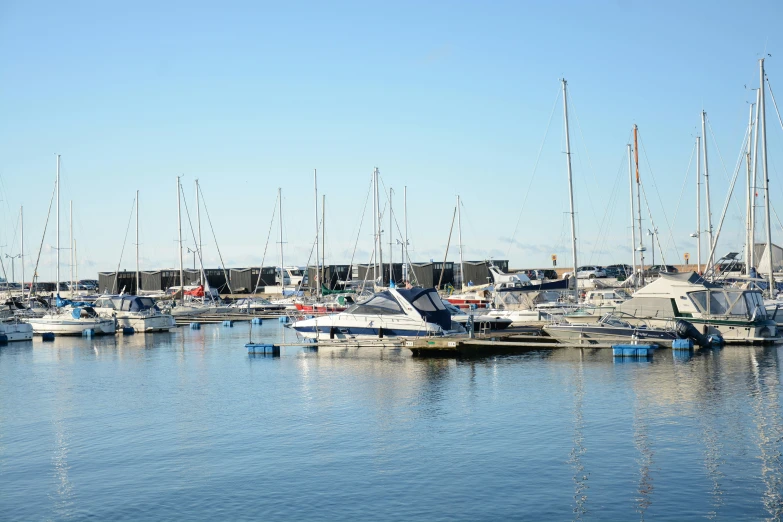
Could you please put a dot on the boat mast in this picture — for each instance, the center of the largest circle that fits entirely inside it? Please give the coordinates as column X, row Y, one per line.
column 280, row 218
column 763, row 114
column 638, row 203
column 179, row 229
column 198, row 223
column 391, row 236
column 633, row 225
column 748, row 195
column 754, row 177
column 21, row 224
column 138, row 279
column 70, row 240
column 710, row 261
column 317, row 268
column 459, row 237
column 380, row 225
column 698, row 204
column 374, row 227
column 323, row 239
column 405, row 224
column 58, row 224
column 570, row 191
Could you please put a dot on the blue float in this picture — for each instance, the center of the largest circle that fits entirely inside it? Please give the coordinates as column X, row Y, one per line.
column 195, row 326
column 47, row 336
column 228, row 323
column 682, row 344
column 262, row 348
column 283, row 319
column 88, row 332
column 128, row 330
column 256, row 320
column 633, row 350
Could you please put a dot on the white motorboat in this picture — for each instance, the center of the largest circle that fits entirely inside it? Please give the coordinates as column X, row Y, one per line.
column 137, row 312
column 73, row 321
column 480, row 320
column 392, row 313
column 15, row 330
column 254, row 304
column 737, row 315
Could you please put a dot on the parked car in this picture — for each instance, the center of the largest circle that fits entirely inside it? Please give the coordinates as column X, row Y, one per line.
column 587, row 272
column 654, row 270
column 619, row 271
column 540, row 275
column 89, row 284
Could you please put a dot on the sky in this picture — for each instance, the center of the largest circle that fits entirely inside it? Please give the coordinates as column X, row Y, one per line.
column 444, row 98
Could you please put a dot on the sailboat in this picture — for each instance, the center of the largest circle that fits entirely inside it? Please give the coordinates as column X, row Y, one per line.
column 69, row 321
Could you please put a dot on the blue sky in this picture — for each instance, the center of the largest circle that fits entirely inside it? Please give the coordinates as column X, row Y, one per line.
column 445, row 98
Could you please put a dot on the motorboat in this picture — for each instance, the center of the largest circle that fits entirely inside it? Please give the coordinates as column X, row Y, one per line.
column 72, row 321
column 328, row 305
column 609, row 329
column 391, row 313
column 254, row 304
column 470, row 298
column 480, row 321
column 16, row 330
column 137, row 312
column 737, row 315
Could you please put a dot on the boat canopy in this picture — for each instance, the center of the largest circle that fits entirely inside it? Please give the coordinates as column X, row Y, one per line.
column 126, row 303
column 428, row 303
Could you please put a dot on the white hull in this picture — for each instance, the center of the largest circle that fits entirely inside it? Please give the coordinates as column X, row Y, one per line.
column 17, row 331
column 155, row 323
column 69, row 326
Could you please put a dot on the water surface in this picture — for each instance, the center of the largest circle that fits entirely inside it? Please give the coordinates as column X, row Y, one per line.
column 187, row 426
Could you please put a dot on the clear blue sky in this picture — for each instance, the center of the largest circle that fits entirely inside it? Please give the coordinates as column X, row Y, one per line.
column 445, row 97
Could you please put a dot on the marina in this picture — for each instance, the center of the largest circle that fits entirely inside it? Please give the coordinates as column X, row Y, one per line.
column 414, row 262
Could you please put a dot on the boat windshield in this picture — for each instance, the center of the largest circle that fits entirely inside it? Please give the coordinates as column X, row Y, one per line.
column 729, row 302
column 610, row 320
column 382, row 303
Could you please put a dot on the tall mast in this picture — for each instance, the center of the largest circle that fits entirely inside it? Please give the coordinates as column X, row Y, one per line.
column 638, row 202
column 391, row 236
column 323, row 239
column 698, row 204
column 280, row 218
column 70, row 240
column 179, row 245
column 317, row 270
column 198, row 221
column 710, row 261
column 763, row 115
column 748, row 194
column 754, row 177
column 58, row 224
column 570, row 191
column 138, row 279
column 75, row 260
column 21, row 224
column 405, row 220
column 459, row 237
column 380, row 225
column 374, row 226
column 633, row 225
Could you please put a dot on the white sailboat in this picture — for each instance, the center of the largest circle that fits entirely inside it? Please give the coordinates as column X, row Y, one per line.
column 69, row 321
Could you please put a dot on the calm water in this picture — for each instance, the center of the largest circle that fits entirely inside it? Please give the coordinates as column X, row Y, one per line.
column 187, row 426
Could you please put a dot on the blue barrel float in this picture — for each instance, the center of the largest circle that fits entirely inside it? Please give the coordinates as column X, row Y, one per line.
column 256, row 320
column 283, row 319
column 47, row 337
column 195, row 326
column 633, row 350
column 88, row 332
column 230, row 324
column 262, row 349
column 128, row 330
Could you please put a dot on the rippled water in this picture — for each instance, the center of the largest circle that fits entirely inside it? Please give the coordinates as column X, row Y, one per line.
column 187, row 426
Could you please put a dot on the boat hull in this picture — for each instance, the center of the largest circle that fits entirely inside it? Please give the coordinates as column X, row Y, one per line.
column 72, row 326
column 598, row 334
column 155, row 323
column 17, row 331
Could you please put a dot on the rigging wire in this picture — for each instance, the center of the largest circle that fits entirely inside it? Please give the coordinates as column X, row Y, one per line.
column 609, row 212
column 663, row 208
column 40, row 249
column 268, row 235
column 399, row 231
column 361, row 222
column 122, row 252
column 579, row 157
column 533, row 175
column 682, row 191
column 209, row 220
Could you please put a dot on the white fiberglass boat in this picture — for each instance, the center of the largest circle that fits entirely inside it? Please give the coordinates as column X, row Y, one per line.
column 72, row 321
column 254, row 304
column 15, row 330
column 137, row 312
column 415, row 312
